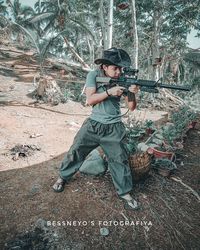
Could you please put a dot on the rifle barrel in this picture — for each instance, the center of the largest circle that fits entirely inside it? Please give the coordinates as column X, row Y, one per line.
column 172, row 86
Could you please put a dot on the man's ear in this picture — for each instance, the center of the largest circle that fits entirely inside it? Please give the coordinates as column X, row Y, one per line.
column 104, row 67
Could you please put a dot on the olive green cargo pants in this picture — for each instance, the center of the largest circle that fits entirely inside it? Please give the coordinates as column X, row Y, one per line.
column 111, row 139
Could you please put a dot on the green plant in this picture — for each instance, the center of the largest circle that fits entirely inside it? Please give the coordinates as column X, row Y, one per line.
column 183, row 118
column 164, row 139
column 164, row 166
column 149, row 124
column 149, row 127
column 170, row 135
column 134, row 132
column 184, row 114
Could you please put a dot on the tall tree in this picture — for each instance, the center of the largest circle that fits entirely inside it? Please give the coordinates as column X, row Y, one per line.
column 110, row 25
column 135, row 33
column 106, row 21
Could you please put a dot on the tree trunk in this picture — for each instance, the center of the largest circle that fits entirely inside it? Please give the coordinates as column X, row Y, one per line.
column 103, row 26
column 107, row 29
column 91, row 50
column 110, row 25
column 157, row 56
column 49, row 91
column 135, row 34
column 39, row 7
column 155, row 47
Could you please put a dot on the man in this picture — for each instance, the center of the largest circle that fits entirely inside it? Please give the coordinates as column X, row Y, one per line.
column 104, row 127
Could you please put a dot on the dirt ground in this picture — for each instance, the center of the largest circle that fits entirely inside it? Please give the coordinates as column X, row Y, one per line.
column 88, row 214
column 49, row 128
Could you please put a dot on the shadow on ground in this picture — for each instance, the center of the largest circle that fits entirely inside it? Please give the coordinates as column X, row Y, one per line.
column 34, row 217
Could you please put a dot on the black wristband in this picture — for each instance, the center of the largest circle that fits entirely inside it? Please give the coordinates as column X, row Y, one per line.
column 131, row 96
column 107, row 93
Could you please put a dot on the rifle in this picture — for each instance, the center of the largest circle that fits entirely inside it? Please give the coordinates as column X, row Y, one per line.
column 145, row 85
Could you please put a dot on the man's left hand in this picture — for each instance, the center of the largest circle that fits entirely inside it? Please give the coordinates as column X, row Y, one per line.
column 134, row 89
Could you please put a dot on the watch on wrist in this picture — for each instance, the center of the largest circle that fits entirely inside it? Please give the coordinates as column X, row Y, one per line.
column 107, row 93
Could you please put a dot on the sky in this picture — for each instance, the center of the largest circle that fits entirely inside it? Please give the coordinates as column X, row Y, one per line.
column 28, row 2
column 193, row 41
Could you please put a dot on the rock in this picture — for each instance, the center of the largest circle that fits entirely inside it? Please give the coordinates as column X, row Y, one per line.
column 104, row 231
column 142, row 146
column 41, row 223
column 94, row 164
column 35, row 189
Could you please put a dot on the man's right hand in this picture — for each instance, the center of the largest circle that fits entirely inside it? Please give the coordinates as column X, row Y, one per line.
column 116, row 91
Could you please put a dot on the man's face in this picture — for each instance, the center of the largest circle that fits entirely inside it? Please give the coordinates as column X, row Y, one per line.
column 112, row 71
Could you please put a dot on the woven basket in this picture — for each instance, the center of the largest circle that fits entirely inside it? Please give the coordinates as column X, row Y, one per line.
column 140, row 164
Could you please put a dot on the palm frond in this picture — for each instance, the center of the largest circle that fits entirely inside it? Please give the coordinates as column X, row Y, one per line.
column 26, row 10
column 193, row 57
column 28, row 33
column 85, row 28
column 41, row 17
column 85, row 14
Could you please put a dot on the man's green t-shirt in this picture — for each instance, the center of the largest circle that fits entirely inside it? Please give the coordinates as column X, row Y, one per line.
column 108, row 111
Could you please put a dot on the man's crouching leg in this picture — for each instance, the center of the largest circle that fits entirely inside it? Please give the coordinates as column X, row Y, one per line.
column 122, row 179
column 84, row 142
